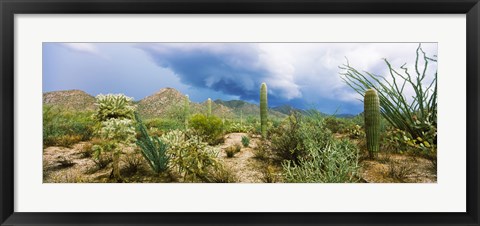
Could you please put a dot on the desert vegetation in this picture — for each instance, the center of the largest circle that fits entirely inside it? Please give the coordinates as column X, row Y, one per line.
column 167, row 138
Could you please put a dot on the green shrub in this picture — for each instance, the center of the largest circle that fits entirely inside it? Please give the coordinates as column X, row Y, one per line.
column 65, row 128
column 261, row 152
column 210, row 129
column 153, row 149
column 245, row 141
column 236, row 127
column 324, row 158
column 336, row 125
column 163, row 124
column 286, row 139
column 231, row 151
column 335, row 162
column 101, row 153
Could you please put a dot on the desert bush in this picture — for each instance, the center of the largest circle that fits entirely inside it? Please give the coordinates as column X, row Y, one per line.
column 223, row 175
column 336, row 125
column 153, row 149
column 87, row 150
column 163, row 124
column 325, row 159
column 286, row 139
column 101, row 155
column 245, row 141
column 356, row 132
column 232, row 150
column 210, row 128
column 268, row 174
column 65, row 128
column 261, row 151
column 236, row 127
column 335, row 162
column 399, row 171
column 132, row 162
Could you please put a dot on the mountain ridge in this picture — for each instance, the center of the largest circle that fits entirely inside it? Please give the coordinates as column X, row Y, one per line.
column 164, row 102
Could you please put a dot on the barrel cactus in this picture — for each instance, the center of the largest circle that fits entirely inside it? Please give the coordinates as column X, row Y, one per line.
column 263, row 109
column 372, row 121
column 209, row 107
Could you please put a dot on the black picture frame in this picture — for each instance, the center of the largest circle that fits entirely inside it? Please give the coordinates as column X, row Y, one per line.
column 9, row 8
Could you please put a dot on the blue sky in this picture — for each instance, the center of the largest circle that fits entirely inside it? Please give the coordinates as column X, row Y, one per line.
column 304, row 75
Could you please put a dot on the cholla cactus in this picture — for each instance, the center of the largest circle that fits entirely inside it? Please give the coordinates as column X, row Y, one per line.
column 117, row 117
column 263, row 109
column 114, row 106
column 209, row 107
column 372, row 121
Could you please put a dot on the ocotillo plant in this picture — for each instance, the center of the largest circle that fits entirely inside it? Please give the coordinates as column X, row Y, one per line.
column 186, row 110
column 209, row 107
column 372, row 121
column 263, row 109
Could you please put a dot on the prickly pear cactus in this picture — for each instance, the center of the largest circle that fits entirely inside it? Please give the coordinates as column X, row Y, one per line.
column 263, row 109
column 209, row 107
column 372, row 121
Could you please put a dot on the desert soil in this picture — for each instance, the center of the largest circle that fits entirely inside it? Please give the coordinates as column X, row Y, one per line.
column 244, row 165
column 70, row 165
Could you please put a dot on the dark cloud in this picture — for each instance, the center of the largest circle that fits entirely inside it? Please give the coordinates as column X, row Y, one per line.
column 234, row 69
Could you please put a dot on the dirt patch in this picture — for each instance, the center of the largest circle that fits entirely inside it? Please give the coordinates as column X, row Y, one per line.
column 70, row 165
column 396, row 168
column 246, row 167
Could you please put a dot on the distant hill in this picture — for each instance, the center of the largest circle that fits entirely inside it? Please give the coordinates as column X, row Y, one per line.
column 247, row 109
column 287, row 109
column 345, row 116
column 75, row 100
column 167, row 102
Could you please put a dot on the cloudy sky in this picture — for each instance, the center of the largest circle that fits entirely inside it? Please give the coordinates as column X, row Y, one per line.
column 304, row 75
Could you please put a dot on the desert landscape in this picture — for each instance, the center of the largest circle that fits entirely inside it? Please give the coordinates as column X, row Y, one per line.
column 170, row 136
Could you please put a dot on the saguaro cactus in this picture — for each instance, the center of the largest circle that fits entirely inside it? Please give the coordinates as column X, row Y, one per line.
column 209, row 107
column 263, row 109
column 372, row 121
column 186, row 110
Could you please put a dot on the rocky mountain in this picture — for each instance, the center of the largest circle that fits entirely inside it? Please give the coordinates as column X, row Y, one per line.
column 247, row 109
column 75, row 100
column 288, row 110
column 167, row 102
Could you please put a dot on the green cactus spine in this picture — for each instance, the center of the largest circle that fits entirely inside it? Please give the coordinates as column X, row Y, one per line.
column 186, row 110
column 372, row 121
column 209, row 107
column 263, row 109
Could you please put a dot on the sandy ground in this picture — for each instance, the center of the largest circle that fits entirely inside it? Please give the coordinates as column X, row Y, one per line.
column 70, row 165
column 61, row 164
column 243, row 164
column 396, row 168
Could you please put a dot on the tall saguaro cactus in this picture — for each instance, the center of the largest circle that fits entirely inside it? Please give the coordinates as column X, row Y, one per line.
column 372, row 121
column 186, row 110
column 209, row 107
column 263, row 109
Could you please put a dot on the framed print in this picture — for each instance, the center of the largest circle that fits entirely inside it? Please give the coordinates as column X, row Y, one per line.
column 237, row 113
